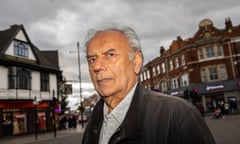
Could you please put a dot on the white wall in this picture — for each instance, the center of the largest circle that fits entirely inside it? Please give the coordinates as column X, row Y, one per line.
column 53, row 83
column 3, row 77
column 35, row 81
column 6, row 93
column 20, row 36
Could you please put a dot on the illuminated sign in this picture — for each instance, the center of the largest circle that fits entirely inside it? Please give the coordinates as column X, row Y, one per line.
column 214, row 87
column 58, row 108
column 174, row 93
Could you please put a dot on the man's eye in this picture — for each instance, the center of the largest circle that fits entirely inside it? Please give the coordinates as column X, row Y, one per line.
column 91, row 60
column 110, row 54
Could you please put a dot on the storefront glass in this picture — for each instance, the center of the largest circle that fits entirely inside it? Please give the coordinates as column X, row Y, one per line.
column 7, row 124
column 19, row 123
column 42, row 121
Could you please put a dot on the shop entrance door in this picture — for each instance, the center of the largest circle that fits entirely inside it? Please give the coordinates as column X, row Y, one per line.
column 7, row 124
column 232, row 103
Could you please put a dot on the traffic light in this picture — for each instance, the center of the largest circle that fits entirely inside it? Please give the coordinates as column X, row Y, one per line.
column 186, row 94
column 195, row 92
column 193, row 95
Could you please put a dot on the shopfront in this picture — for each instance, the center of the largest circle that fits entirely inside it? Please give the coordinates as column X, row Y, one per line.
column 19, row 118
column 220, row 93
column 211, row 95
column 14, row 121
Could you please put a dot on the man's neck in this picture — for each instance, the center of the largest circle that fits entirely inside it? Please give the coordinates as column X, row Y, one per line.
column 113, row 101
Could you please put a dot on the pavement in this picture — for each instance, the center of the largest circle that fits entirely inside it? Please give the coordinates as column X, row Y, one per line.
column 225, row 131
column 31, row 138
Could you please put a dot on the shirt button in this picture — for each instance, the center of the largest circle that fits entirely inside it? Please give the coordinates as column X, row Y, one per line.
column 118, row 138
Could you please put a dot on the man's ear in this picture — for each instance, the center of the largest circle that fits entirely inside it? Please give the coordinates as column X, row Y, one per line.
column 138, row 60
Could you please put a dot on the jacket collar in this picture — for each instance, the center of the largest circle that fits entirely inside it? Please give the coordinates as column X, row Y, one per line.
column 132, row 126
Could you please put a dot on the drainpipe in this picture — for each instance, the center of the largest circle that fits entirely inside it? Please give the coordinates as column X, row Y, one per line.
column 231, row 58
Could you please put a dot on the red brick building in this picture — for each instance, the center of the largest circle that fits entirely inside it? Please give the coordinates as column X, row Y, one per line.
column 204, row 68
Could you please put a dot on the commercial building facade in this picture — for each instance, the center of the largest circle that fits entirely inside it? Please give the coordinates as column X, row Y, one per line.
column 204, row 69
column 29, row 84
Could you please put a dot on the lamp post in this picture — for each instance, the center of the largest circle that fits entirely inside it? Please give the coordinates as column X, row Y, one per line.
column 35, row 102
column 54, row 101
column 80, row 84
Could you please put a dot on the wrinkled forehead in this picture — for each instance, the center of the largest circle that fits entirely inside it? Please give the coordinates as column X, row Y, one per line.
column 108, row 38
column 111, row 35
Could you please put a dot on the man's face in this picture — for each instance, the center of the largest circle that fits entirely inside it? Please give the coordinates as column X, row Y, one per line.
column 112, row 71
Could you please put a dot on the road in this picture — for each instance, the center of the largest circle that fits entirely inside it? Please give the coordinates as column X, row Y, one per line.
column 225, row 131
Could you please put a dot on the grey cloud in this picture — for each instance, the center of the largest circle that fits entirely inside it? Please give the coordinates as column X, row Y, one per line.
column 59, row 24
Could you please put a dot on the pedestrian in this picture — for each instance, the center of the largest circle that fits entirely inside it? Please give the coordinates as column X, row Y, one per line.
column 127, row 113
column 201, row 109
column 226, row 108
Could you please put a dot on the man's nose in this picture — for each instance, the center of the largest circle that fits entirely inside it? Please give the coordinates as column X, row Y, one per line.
column 99, row 65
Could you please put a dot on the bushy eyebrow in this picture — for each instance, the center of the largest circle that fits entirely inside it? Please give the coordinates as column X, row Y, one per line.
column 106, row 52
column 109, row 50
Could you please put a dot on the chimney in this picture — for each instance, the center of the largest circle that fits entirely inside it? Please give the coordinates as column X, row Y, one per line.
column 228, row 23
column 162, row 50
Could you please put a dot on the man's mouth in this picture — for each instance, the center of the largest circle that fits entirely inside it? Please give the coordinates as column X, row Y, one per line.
column 103, row 81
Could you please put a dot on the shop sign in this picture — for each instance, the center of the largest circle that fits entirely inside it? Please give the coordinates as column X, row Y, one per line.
column 174, row 93
column 58, row 108
column 214, row 87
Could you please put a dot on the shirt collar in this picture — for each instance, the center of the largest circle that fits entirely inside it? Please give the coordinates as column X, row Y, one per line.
column 119, row 112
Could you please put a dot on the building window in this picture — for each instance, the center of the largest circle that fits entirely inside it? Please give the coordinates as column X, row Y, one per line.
column 174, row 83
column 213, row 75
column 158, row 69
column 44, row 82
column 223, row 73
column 182, row 60
column 200, row 53
column 20, row 49
column 163, row 68
column 12, row 77
column 163, row 86
column 148, row 74
column 176, row 62
column 210, row 52
column 23, row 80
column 170, row 65
column 19, row 78
column 141, row 77
column 219, row 50
column 145, row 75
column 153, row 71
column 203, row 75
column 156, row 86
column 184, row 80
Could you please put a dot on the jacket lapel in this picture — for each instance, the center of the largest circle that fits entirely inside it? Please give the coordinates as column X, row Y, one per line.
column 132, row 126
column 95, row 124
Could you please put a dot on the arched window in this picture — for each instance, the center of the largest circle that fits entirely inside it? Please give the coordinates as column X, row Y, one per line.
column 19, row 78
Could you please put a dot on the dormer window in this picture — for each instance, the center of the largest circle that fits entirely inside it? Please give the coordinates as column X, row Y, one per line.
column 20, row 49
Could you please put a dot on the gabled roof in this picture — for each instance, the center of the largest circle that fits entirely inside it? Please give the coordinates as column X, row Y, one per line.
column 44, row 59
column 6, row 37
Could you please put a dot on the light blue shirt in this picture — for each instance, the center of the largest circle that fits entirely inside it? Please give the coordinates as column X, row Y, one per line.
column 113, row 120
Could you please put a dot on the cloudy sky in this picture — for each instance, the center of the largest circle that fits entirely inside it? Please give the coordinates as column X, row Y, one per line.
column 60, row 24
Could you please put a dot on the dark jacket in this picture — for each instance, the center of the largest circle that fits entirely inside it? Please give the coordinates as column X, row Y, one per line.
column 153, row 119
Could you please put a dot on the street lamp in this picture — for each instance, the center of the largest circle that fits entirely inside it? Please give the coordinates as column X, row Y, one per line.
column 54, row 101
column 80, row 85
column 35, row 102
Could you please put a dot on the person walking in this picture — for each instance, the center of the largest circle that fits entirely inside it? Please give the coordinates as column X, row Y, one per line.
column 127, row 113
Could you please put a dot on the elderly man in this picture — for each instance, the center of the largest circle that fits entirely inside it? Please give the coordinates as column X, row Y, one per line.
column 126, row 112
